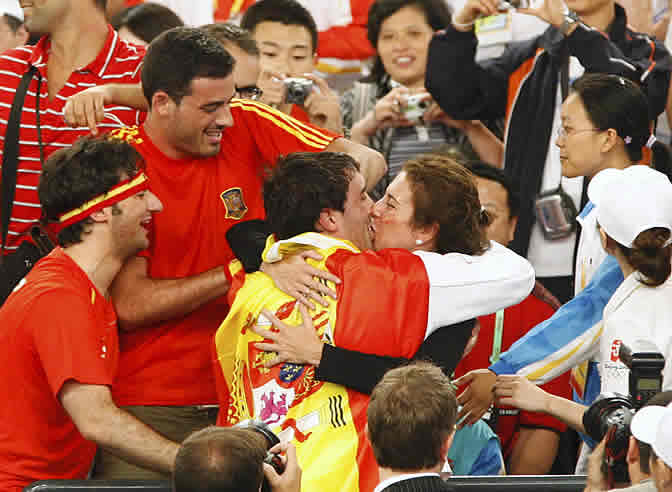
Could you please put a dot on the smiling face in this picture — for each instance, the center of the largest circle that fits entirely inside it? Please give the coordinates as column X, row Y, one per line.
column 287, row 49
column 131, row 221
column 393, row 216
column 195, row 125
column 403, row 44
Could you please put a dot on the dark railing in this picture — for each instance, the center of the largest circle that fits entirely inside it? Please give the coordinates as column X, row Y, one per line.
column 546, row 483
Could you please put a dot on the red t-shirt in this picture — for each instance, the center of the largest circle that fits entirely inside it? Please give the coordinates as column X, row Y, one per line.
column 518, row 320
column 169, row 363
column 56, row 327
column 117, row 62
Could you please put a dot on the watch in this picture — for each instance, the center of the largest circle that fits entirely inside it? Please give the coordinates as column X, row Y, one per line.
column 570, row 19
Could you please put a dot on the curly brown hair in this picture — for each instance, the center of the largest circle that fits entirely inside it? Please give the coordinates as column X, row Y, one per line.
column 445, row 193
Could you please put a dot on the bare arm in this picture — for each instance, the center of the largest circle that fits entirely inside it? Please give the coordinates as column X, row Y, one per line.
column 534, row 451
column 140, row 300
column 520, row 392
column 372, row 163
column 486, row 144
column 99, row 420
column 86, row 108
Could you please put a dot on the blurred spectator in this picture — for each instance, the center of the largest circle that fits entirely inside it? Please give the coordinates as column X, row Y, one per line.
column 524, row 78
column 342, row 45
column 529, row 440
column 287, row 38
column 375, row 110
column 13, row 32
column 61, row 354
column 410, row 424
column 217, row 459
column 75, row 35
column 240, row 44
column 205, row 152
column 144, row 22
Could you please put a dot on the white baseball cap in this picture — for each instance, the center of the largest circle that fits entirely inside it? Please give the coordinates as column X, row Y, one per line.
column 11, row 7
column 644, row 424
column 631, row 200
column 653, row 425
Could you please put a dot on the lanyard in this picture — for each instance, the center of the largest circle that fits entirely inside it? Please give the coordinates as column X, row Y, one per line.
column 497, row 337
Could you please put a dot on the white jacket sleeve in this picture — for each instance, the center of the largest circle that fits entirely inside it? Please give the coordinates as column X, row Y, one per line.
column 462, row 287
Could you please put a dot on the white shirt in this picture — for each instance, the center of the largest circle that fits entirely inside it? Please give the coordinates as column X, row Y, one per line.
column 635, row 311
column 461, row 286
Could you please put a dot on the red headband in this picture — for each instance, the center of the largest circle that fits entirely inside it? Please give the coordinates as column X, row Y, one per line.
column 121, row 191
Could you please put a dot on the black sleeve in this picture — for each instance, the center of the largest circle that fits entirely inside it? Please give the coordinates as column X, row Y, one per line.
column 247, row 240
column 362, row 372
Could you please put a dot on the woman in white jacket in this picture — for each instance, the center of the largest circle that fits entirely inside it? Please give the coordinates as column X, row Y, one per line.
column 633, row 209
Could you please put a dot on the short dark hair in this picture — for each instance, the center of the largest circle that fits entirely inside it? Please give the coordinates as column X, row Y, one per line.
column 444, row 193
column 228, row 32
column 661, row 399
column 220, row 459
column 303, row 184
column 287, row 12
column 486, row 171
column 436, row 12
column 200, row 55
column 612, row 101
column 411, row 413
column 147, row 20
column 13, row 22
column 74, row 175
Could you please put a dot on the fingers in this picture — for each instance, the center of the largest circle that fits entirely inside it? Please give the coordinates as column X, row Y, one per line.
column 90, row 115
column 465, row 379
column 264, row 333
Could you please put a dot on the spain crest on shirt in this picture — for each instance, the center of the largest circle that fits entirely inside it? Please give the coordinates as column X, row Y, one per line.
column 234, row 203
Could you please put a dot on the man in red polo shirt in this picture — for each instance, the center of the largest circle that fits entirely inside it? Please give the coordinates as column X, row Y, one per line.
column 79, row 50
column 529, row 440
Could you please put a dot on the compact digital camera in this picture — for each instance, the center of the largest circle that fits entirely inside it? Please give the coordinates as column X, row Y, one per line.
column 505, row 5
column 416, row 105
column 297, row 90
column 556, row 213
column 271, row 440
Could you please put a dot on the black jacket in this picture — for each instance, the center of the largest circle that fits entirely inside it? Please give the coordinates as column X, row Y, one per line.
column 522, row 85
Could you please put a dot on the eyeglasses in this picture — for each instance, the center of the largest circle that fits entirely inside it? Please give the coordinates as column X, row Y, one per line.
column 563, row 133
column 249, row 92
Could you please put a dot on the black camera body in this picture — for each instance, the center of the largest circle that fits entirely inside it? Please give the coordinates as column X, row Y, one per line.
column 610, row 414
column 272, row 459
column 297, row 89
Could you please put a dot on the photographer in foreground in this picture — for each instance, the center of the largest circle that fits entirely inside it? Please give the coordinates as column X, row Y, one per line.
column 218, row 459
column 634, row 216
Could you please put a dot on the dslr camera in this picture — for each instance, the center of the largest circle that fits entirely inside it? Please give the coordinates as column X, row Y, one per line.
column 297, row 90
column 272, row 459
column 610, row 414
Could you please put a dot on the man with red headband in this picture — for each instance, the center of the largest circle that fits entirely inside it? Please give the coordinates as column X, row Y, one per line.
column 59, row 343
